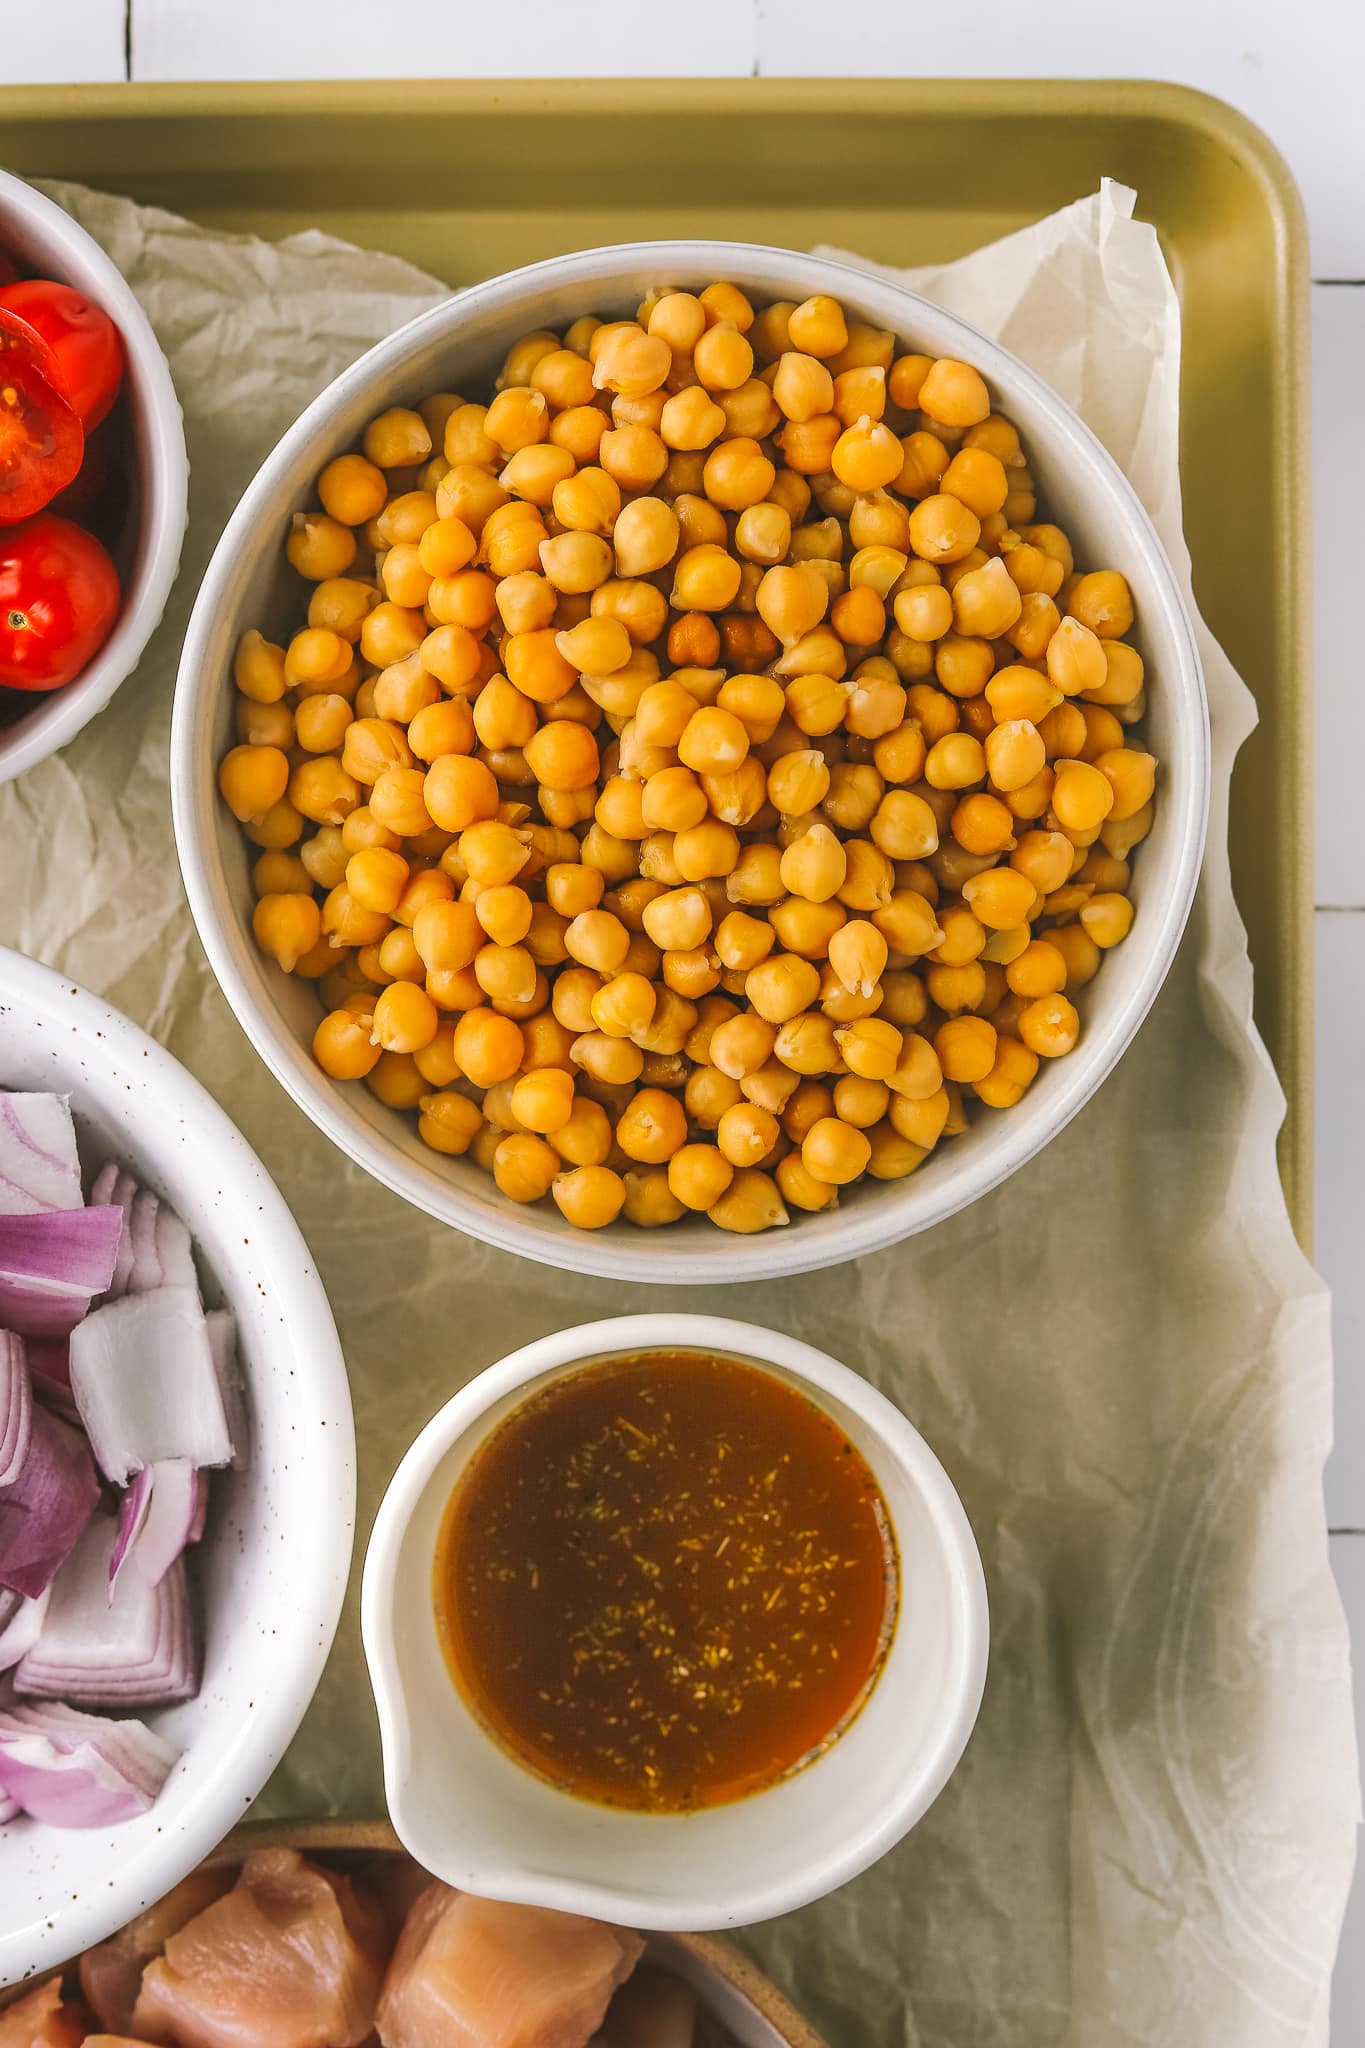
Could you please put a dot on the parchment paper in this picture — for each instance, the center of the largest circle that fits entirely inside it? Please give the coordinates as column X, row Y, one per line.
column 1121, row 1356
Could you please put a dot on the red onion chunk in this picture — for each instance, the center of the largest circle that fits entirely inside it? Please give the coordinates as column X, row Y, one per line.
column 16, row 1407
column 113, row 1185
column 77, row 1770
column 155, row 1248
column 132, row 1516
column 171, row 1514
column 51, row 1263
column 174, row 1250
column 20, row 1623
column 49, row 1367
column 39, row 1169
column 132, row 1645
column 201, row 1504
column 44, row 1510
column 222, row 1329
column 143, row 1377
column 10, row 1809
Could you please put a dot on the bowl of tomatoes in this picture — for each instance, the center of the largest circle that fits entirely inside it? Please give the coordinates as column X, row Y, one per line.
column 93, row 478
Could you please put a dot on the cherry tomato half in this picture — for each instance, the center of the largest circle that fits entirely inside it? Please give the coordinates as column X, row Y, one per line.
column 59, row 597
column 41, row 439
column 18, row 339
column 83, row 340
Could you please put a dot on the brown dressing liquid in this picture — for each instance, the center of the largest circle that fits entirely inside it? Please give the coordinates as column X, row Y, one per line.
column 666, row 1581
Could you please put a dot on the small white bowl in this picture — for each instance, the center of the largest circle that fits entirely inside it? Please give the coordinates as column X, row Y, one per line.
column 458, row 346
column 475, row 1817
column 47, row 241
column 272, row 1568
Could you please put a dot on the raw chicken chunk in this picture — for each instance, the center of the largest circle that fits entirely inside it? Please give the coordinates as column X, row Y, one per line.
column 111, row 1974
column 40, row 2020
column 291, row 1957
column 475, row 1973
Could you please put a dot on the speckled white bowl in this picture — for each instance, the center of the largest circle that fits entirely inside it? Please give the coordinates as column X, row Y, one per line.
column 47, row 241
column 457, row 346
column 273, row 1565
column 469, row 1812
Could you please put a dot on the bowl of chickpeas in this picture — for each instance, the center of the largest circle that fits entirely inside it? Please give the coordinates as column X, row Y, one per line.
column 665, row 751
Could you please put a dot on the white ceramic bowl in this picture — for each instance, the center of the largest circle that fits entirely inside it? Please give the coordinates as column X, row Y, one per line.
column 273, row 1565
column 458, row 346
column 472, row 1815
column 47, row 241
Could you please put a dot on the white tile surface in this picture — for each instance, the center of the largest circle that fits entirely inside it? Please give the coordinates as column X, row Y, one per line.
column 441, row 39
column 1295, row 72
column 1339, row 1176
column 62, row 42
column 1348, row 1983
column 1338, row 466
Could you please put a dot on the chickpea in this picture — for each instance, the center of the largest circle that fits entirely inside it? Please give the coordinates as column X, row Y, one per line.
column 1000, row 898
column 817, row 327
column 589, row 1197
column 287, row 926
column 737, row 474
column 252, row 780
column 904, row 826
column 805, row 928
column 814, row 866
column 779, row 988
column 1107, row 919
column 954, row 393
column 405, row 1018
column 986, row 602
column 319, row 547
column 343, row 1046
column 1049, row 1026
column 943, row 529
column 756, row 876
column 924, row 462
column 650, row 1201
column 791, row 600
column 920, row 1121
column 835, row 1152
column 630, row 360
column 585, row 1136
column 713, row 742
column 978, row 478
column 982, row 825
column 597, row 939
column 955, row 762
column 867, row 455
column 653, row 1127
column 1076, row 659
column 750, row 1203
column 723, row 359
column 966, row 1048
column 258, row 668
column 1082, row 796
